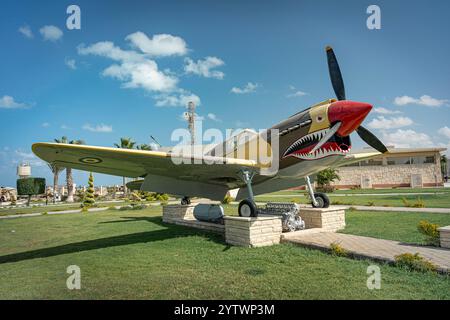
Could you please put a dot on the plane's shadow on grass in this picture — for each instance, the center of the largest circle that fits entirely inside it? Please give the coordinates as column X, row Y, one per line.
column 170, row 231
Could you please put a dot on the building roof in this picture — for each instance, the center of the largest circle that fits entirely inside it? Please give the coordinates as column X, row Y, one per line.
column 393, row 150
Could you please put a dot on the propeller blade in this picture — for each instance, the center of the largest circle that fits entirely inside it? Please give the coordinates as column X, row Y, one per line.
column 335, row 74
column 371, row 139
column 327, row 136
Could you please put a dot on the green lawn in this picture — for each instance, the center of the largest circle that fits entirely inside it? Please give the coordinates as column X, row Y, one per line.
column 399, row 226
column 133, row 255
column 434, row 198
column 54, row 208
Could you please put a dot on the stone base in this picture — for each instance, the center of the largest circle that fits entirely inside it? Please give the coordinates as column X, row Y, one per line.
column 444, row 234
column 328, row 219
column 253, row 232
column 183, row 215
column 178, row 212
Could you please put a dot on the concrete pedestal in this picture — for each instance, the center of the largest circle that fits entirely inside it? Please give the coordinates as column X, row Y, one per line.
column 328, row 219
column 444, row 234
column 178, row 212
column 253, row 232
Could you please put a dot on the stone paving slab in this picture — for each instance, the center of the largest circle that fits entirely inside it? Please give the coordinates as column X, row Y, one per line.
column 378, row 249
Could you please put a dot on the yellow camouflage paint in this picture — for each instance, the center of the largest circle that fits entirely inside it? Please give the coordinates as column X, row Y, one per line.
column 319, row 118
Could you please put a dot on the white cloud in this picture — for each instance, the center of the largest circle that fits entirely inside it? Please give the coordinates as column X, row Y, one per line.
column 382, row 110
column 297, row 94
column 109, row 50
column 135, row 70
column 213, row 117
column 177, row 99
column 204, row 67
column 45, row 125
column 249, row 87
column 98, row 128
column 390, row 123
column 26, row 31
column 445, row 131
column 65, row 127
column 8, row 102
column 19, row 156
column 424, row 100
column 143, row 74
column 51, row 33
column 159, row 45
column 407, row 139
column 71, row 63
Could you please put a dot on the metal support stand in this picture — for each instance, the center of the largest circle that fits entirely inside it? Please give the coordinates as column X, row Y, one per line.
column 311, row 190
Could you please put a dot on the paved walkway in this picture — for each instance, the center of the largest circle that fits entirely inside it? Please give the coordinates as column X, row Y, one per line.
column 378, row 249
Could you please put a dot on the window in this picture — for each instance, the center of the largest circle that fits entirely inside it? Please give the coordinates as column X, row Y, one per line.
column 398, row 161
column 372, row 162
column 423, row 160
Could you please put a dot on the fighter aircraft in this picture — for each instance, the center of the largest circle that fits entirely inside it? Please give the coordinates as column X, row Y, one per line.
column 308, row 142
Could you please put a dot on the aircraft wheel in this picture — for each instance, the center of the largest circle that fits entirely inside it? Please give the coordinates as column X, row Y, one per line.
column 185, row 201
column 322, row 200
column 247, row 209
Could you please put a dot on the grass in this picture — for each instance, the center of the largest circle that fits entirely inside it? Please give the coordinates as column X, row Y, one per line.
column 56, row 208
column 133, row 255
column 431, row 199
column 399, row 226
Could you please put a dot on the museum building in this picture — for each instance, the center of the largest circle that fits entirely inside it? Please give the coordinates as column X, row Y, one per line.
column 414, row 168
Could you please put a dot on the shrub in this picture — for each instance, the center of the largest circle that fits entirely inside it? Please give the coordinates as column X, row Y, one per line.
column 418, row 204
column 325, row 178
column 430, row 230
column 227, row 199
column 370, row 203
column 89, row 199
column 30, row 187
column 338, row 250
column 414, row 262
column 162, row 197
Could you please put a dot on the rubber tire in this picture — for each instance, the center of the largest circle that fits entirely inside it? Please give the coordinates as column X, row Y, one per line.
column 322, row 199
column 185, row 201
column 247, row 205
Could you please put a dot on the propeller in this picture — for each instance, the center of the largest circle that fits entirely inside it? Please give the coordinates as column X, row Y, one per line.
column 327, row 136
column 335, row 74
column 339, row 89
column 371, row 139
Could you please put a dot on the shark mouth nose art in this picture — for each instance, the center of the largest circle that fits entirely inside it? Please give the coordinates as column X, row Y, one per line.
column 302, row 148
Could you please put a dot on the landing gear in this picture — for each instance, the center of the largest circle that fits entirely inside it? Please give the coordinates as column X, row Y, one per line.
column 185, row 201
column 247, row 207
column 322, row 200
column 319, row 200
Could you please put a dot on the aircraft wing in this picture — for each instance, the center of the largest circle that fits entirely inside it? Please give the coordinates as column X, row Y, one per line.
column 139, row 163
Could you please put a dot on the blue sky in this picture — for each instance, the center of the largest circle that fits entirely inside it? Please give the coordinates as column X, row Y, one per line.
column 94, row 84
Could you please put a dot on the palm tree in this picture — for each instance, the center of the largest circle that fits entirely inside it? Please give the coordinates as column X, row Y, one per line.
column 56, row 171
column 144, row 146
column 69, row 177
column 444, row 162
column 125, row 143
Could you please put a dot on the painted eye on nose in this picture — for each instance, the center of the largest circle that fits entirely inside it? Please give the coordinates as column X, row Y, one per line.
column 319, row 118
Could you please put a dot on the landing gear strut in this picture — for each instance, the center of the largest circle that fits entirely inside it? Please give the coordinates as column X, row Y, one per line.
column 185, row 201
column 319, row 200
column 247, row 207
